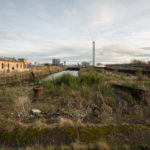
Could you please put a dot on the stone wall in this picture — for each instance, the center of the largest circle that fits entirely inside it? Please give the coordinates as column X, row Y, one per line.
column 33, row 73
column 139, row 95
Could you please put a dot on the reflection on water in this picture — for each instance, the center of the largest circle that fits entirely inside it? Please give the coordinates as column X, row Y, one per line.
column 53, row 76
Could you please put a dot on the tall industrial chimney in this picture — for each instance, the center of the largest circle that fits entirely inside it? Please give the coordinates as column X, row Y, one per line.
column 93, row 53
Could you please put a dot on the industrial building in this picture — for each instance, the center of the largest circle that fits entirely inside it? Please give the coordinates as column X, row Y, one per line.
column 12, row 64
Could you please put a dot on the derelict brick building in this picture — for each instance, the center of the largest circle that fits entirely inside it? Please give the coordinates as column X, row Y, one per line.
column 12, row 64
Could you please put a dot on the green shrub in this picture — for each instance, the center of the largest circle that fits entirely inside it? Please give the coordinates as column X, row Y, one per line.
column 72, row 81
column 66, row 79
column 89, row 78
column 47, row 84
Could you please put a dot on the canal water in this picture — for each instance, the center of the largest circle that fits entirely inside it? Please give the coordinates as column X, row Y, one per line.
column 55, row 75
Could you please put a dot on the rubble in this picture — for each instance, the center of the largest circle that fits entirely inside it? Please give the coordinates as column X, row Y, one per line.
column 36, row 112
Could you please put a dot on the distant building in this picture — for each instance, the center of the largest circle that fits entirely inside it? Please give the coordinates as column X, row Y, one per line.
column 12, row 64
column 85, row 64
column 64, row 63
column 56, row 62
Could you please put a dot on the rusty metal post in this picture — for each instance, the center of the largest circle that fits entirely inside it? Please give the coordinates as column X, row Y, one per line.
column 38, row 93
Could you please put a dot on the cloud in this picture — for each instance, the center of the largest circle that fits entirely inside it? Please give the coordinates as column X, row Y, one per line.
column 43, row 29
column 119, row 50
column 8, row 3
column 120, row 53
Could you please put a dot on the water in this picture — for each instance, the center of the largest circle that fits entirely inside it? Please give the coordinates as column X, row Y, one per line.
column 55, row 75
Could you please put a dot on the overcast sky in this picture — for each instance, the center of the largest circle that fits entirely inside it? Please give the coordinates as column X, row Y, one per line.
column 44, row 29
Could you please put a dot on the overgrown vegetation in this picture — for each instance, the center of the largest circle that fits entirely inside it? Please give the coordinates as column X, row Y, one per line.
column 84, row 112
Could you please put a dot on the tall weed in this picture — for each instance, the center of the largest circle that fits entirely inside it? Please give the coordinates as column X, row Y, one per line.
column 88, row 79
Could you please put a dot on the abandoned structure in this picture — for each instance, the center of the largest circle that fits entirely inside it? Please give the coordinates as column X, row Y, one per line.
column 12, row 64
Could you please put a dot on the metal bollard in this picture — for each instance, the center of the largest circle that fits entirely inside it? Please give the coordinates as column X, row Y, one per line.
column 38, row 93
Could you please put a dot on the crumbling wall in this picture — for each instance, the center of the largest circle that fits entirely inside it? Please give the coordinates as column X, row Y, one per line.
column 33, row 73
column 140, row 95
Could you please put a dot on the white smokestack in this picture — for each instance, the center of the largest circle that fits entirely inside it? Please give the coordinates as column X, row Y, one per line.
column 93, row 53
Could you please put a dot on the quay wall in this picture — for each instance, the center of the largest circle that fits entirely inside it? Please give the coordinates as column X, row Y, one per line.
column 129, row 71
column 31, row 74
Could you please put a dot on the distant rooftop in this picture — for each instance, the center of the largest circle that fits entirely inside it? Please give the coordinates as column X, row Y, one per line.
column 10, row 59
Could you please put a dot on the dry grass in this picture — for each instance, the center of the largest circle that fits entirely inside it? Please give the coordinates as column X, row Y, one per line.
column 110, row 101
column 22, row 106
column 102, row 145
column 39, row 124
column 136, row 109
column 125, row 147
column 65, row 123
column 15, row 91
column 38, row 147
column 106, row 112
column 11, row 124
column 43, row 106
column 77, row 145
column 79, row 123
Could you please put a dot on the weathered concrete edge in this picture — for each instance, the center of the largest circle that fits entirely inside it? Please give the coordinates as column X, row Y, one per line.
column 138, row 94
column 33, row 73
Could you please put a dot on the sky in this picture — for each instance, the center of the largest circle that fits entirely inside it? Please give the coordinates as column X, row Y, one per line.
column 44, row 29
